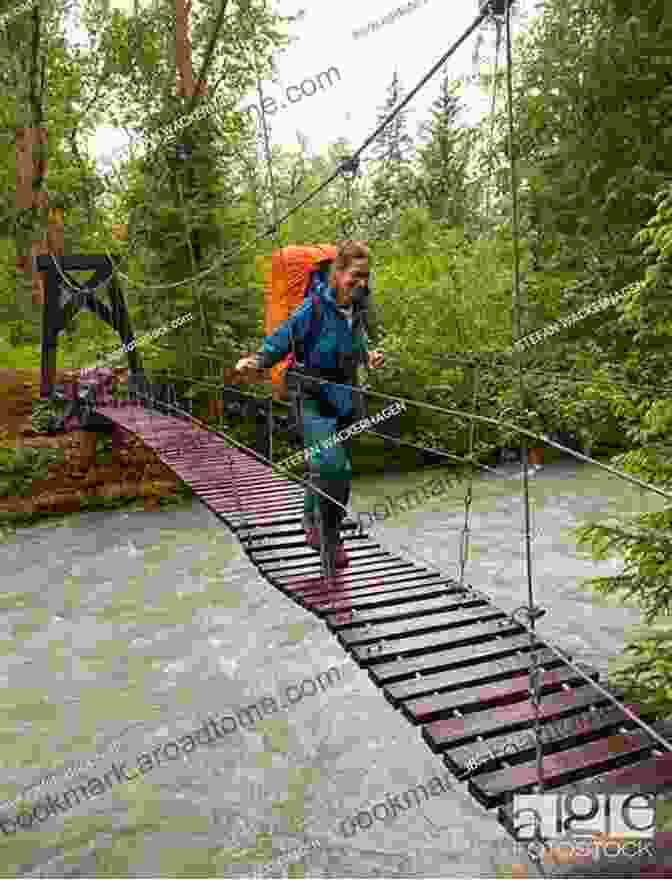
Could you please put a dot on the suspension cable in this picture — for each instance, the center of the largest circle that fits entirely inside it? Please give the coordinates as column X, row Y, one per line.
column 516, row 428
column 237, row 251
column 532, row 612
column 491, row 164
column 464, row 538
column 513, row 616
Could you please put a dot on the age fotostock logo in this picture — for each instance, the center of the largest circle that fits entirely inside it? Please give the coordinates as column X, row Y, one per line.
column 586, row 824
column 557, row 815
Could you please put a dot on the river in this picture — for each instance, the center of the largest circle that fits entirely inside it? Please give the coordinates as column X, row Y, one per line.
column 123, row 630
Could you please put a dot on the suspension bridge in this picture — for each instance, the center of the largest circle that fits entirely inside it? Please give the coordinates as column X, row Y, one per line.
column 508, row 712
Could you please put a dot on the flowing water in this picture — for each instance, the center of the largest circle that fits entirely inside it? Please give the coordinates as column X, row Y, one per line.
column 123, row 631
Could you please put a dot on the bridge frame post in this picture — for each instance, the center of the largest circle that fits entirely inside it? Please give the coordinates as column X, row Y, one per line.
column 62, row 302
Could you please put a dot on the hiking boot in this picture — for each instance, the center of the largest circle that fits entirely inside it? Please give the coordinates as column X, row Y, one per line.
column 313, row 538
column 341, row 557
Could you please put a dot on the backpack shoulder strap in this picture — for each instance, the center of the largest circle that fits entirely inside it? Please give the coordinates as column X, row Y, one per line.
column 314, row 329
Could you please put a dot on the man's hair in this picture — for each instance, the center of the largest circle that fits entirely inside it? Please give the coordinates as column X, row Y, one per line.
column 348, row 252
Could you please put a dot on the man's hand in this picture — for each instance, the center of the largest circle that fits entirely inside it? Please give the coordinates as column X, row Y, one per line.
column 247, row 363
column 376, row 359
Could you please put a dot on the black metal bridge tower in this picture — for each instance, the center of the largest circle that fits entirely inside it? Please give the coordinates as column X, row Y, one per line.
column 65, row 296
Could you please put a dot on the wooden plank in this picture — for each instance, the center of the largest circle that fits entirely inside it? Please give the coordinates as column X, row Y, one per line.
column 361, row 635
column 467, row 634
column 294, row 546
column 270, row 501
column 226, row 468
column 484, row 696
column 302, row 551
column 380, row 569
column 288, row 574
column 226, row 505
column 590, row 723
column 238, row 523
column 372, row 585
column 492, row 789
column 393, row 591
column 477, row 673
column 408, row 610
column 451, row 732
column 296, row 567
column 308, row 589
column 374, row 581
column 250, row 484
column 652, row 775
column 399, row 594
column 266, row 541
column 214, row 482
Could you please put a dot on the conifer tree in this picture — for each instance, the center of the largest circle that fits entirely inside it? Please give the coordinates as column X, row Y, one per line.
column 441, row 182
column 391, row 175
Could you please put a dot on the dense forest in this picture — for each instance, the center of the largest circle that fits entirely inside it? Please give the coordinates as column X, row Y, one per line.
column 593, row 142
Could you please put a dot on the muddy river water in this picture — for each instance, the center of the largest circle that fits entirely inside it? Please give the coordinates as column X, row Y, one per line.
column 122, row 631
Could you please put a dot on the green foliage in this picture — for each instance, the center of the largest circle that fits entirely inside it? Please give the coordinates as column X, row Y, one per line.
column 442, row 180
column 43, row 411
column 20, row 468
column 644, row 542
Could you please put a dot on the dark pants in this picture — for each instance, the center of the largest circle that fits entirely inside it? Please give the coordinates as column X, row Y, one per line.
column 329, row 469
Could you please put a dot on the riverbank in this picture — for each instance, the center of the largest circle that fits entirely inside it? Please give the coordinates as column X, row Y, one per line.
column 92, row 473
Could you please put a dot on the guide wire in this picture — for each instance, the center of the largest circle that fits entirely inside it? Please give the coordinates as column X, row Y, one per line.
column 517, row 429
column 464, row 538
column 532, row 612
column 557, row 651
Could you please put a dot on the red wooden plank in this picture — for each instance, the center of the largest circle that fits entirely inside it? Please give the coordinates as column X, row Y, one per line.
column 452, row 732
column 381, row 566
column 218, row 476
column 305, row 578
column 404, row 606
column 267, row 504
column 378, row 572
column 238, row 523
column 453, row 679
column 227, row 501
column 303, row 587
column 407, row 611
column 399, row 593
column 394, row 598
column 571, row 730
column 652, row 775
column 304, row 552
column 224, row 471
column 492, row 789
column 367, row 587
column 289, row 574
column 361, row 635
column 306, row 563
column 468, row 633
column 242, row 500
column 426, row 709
column 259, row 490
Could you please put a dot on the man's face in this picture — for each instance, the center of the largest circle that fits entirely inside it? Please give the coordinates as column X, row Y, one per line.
column 347, row 281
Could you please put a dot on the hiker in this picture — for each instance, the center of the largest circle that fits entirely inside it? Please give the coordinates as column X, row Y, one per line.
column 332, row 319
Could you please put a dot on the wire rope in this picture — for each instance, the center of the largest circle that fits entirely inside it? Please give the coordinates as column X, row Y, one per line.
column 557, row 651
column 533, row 612
column 518, row 429
column 237, row 251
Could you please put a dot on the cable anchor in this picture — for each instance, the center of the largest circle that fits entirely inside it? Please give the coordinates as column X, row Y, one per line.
column 495, row 7
column 349, row 165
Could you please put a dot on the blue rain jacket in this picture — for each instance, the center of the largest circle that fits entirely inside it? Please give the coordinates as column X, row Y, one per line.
column 336, row 350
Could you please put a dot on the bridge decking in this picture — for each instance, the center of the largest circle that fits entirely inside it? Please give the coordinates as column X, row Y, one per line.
column 449, row 659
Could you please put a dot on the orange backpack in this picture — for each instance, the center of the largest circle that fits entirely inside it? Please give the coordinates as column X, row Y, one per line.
column 286, row 287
